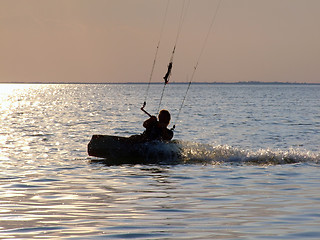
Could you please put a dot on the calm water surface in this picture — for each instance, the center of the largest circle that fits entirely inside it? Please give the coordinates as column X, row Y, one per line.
column 253, row 169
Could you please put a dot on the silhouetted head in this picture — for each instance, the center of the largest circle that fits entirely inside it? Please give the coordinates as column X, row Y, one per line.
column 164, row 117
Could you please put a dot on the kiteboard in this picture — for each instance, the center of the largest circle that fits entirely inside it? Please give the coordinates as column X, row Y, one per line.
column 116, row 150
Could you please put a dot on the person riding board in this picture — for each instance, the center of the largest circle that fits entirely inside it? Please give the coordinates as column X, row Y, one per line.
column 156, row 129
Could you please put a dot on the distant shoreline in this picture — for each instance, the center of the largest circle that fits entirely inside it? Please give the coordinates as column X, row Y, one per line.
column 173, row 83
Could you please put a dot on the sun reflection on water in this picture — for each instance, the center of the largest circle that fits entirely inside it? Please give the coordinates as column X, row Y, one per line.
column 10, row 96
column 8, row 89
column 14, row 98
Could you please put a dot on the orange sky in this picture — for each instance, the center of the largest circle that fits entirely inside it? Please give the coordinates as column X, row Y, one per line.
column 115, row 40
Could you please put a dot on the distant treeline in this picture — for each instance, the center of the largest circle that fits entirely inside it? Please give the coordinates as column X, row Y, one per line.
column 233, row 83
column 251, row 83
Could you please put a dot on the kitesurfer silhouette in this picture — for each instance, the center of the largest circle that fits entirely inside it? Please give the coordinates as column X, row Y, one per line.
column 156, row 129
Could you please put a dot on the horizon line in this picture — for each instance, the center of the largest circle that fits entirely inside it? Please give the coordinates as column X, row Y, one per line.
column 239, row 82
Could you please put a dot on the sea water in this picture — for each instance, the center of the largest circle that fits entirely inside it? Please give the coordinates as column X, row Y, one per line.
column 251, row 170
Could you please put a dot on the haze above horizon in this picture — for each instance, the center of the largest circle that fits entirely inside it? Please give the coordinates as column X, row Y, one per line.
column 115, row 41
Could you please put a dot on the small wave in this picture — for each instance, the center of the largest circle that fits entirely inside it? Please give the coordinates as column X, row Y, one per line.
column 181, row 152
column 206, row 153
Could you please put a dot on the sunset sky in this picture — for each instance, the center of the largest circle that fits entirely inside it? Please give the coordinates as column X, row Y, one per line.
column 115, row 40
